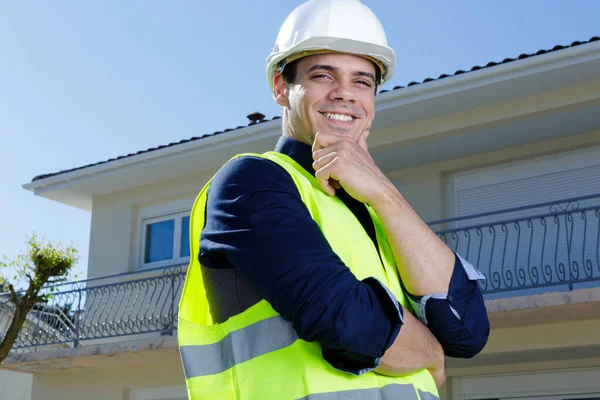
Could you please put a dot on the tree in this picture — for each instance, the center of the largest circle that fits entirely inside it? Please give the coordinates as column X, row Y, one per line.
column 43, row 264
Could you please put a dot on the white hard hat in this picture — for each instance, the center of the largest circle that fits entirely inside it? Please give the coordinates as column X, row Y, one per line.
column 329, row 26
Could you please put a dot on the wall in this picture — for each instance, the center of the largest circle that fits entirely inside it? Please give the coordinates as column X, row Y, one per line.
column 107, row 384
column 114, row 224
column 512, row 353
column 426, row 187
column 114, row 217
column 15, row 385
column 541, row 347
column 114, row 227
column 550, row 381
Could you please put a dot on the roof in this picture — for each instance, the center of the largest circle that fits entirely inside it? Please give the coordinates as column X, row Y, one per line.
column 257, row 118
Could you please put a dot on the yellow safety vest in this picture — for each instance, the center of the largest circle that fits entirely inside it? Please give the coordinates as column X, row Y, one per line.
column 257, row 355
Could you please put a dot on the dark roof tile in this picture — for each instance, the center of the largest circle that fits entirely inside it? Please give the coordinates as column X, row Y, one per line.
column 259, row 118
column 505, row 61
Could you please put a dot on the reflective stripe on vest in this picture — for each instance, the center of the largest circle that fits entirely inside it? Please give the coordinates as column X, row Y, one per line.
column 264, row 337
column 393, row 391
column 237, row 347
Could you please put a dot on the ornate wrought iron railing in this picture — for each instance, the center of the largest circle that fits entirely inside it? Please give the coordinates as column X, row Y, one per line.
column 534, row 247
column 520, row 249
column 137, row 303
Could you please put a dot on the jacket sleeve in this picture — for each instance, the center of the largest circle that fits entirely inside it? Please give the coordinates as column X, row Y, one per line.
column 458, row 319
column 257, row 223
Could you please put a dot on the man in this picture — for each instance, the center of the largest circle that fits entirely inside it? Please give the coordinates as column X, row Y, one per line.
column 307, row 263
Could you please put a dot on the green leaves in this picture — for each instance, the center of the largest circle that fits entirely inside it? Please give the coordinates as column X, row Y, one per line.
column 49, row 261
column 42, row 264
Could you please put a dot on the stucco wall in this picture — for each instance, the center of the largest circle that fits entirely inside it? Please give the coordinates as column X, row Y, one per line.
column 426, row 187
column 544, row 347
column 115, row 223
column 564, row 346
column 106, row 384
column 114, row 227
column 15, row 385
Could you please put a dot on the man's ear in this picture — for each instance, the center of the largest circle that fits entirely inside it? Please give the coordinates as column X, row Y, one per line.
column 280, row 90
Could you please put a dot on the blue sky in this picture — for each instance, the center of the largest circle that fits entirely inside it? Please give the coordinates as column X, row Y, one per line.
column 84, row 81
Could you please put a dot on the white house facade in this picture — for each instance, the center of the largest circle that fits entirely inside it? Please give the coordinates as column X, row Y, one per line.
column 503, row 161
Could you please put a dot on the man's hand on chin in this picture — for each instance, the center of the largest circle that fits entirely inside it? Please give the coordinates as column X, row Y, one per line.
column 340, row 162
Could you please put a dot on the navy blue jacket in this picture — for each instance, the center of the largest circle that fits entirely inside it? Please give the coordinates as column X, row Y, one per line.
column 260, row 242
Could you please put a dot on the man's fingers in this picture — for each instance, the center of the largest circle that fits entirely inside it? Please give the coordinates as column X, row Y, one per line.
column 322, row 160
column 333, row 149
column 323, row 140
column 324, row 176
column 327, row 186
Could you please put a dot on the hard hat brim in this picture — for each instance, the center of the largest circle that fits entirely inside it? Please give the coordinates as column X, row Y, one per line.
column 383, row 56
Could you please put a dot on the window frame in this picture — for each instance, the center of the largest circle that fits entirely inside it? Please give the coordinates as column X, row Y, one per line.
column 176, row 211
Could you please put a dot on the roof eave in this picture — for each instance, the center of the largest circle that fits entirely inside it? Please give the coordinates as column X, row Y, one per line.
column 63, row 182
column 395, row 99
column 489, row 75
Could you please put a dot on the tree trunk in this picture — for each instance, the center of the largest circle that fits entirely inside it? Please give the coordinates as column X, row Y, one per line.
column 21, row 311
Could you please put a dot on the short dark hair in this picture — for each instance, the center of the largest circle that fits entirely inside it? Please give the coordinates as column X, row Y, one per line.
column 291, row 70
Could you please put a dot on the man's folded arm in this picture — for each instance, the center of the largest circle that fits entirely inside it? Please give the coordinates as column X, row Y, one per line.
column 257, row 223
column 458, row 318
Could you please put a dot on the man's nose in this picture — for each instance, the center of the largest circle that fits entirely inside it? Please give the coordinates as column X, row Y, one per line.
column 343, row 91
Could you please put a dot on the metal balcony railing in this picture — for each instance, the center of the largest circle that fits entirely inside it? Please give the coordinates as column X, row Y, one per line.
column 136, row 303
column 547, row 246
column 530, row 249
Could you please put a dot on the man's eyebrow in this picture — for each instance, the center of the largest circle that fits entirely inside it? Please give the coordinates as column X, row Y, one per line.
column 365, row 74
column 321, row 66
column 330, row 68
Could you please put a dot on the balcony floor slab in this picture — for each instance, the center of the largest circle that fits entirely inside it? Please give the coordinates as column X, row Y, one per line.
column 118, row 353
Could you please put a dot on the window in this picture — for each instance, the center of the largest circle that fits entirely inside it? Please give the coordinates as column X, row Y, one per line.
column 165, row 240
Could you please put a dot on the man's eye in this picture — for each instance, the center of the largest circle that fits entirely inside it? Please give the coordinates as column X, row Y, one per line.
column 366, row 83
column 321, row 76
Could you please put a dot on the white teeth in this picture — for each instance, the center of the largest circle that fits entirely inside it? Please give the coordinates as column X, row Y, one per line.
column 339, row 117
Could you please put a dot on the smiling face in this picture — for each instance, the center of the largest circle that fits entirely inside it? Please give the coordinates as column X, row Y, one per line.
column 332, row 93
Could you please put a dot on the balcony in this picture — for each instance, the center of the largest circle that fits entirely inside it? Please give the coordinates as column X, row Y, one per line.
column 138, row 305
column 551, row 246
column 547, row 247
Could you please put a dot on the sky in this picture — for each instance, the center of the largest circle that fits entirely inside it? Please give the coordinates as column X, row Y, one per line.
column 85, row 81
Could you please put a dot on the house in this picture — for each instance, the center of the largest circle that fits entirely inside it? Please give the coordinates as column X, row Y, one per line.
column 502, row 160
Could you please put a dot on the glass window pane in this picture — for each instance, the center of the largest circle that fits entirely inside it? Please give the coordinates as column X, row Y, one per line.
column 184, row 250
column 159, row 241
